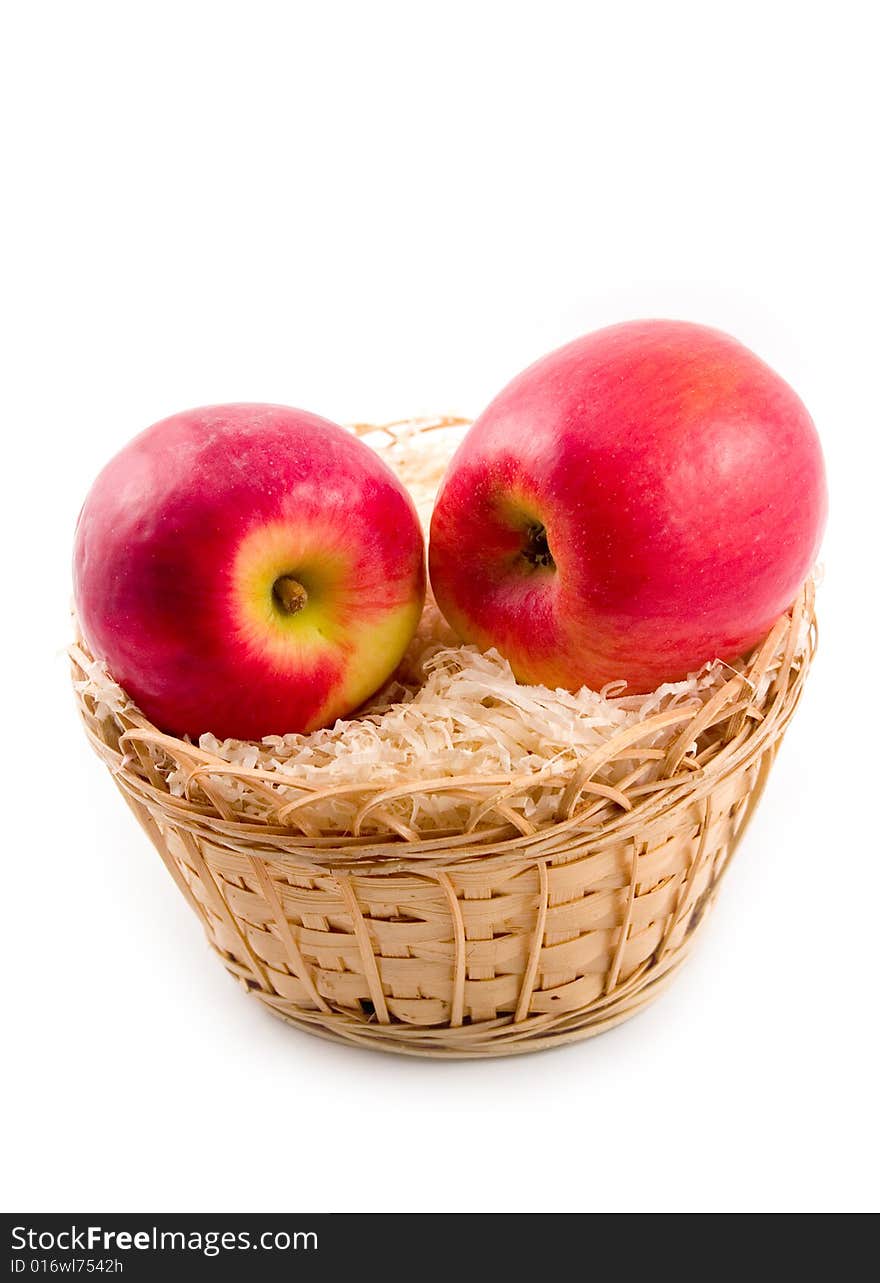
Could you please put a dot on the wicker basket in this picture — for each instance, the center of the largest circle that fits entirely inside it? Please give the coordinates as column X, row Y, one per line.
column 503, row 939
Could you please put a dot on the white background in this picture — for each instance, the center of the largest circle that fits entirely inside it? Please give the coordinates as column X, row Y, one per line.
column 373, row 210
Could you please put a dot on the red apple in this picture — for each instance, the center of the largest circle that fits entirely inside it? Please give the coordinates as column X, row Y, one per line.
column 638, row 502
column 248, row 570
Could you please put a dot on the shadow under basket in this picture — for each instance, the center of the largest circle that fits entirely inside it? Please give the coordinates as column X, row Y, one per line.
column 504, row 939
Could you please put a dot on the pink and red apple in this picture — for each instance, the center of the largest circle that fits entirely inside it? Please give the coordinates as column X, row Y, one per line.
column 248, row 570
column 638, row 502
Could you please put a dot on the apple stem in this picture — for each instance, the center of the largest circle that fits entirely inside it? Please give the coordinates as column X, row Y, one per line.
column 289, row 594
column 537, row 550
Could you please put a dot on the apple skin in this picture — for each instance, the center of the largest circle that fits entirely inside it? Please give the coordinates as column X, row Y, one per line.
column 680, row 485
column 184, row 536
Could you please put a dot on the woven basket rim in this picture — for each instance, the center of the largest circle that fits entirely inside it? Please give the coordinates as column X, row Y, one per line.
column 605, row 819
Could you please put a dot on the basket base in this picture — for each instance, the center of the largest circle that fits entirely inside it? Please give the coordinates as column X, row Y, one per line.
column 488, row 1039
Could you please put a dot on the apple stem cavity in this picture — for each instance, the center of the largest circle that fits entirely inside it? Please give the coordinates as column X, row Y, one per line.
column 289, row 594
column 537, row 550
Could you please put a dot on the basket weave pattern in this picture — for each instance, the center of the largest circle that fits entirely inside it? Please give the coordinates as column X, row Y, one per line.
column 487, row 942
